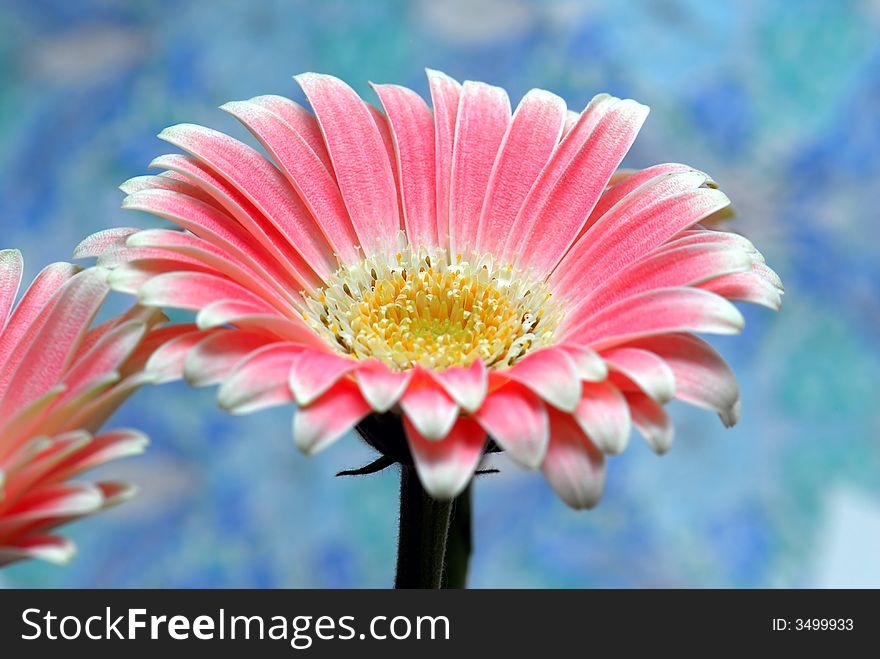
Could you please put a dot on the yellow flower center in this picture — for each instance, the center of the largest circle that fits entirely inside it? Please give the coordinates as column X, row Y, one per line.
column 420, row 308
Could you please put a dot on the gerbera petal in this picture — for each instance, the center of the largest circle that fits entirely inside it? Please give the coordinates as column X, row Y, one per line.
column 327, row 419
column 609, row 246
column 658, row 312
column 262, row 184
column 603, row 415
column 209, row 223
column 428, row 407
column 412, row 129
column 630, row 182
column 314, row 372
column 51, row 344
column 531, row 138
column 167, row 181
column 26, row 314
column 50, row 548
column 384, row 129
column 108, row 354
column 446, row 466
column 108, row 446
column 227, row 312
column 702, row 377
column 11, row 266
column 98, row 243
column 646, row 370
column 517, row 420
column 687, row 265
column 250, row 317
column 571, row 120
column 551, row 374
column 574, row 467
column 360, row 163
column 651, row 420
column 381, row 386
column 260, row 380
column 212, row 359
column 483, row 116
column 588, row 364
column 244, row 272
column 746, row 286
column 465, row 385
column 245, row 213
column 166, row 364
column 301, row 120
column 571, row 185
column 193, row 290
column 445, row 97
column 305, row 172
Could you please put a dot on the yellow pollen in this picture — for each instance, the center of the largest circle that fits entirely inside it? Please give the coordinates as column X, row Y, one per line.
column 418, row 308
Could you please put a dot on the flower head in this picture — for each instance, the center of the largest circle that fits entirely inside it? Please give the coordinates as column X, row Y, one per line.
column 59, row 381
column 480, row 273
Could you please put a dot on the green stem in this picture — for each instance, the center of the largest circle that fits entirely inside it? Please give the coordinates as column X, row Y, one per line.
column 424, row 528
column 459, row 543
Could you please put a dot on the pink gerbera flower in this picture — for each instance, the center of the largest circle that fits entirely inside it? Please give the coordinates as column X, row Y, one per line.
column 477, row 273
column 59, row 382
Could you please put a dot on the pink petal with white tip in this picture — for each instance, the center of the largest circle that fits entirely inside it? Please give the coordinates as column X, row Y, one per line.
column 218, row 259
column 323, row 422
column 446, row 466
column 98, row 243
column 658, row 312
column 194, row 290
column 637, row 226
column 445, row 97
column 166, row 363
column 301, row 120
column 364, row 175
column 167, row 181
column 211, row 224
column 11, row 265
column 483, row 117
column 686, row 265
column 26, row 314
column 260, row 380
column 516, row 419
column 412, row 129
column 254, row 318
column 466, row 385
column 551, row 374
column 48, row 347
column 49, row 548
column 428, row 406
column 629, row 182
column 306, row 173
column 746, row 286
column 242, row 210
column 702, row 377
column 213, row 358
column 646, row 370
column 262, row 184
column 651, row 420
column 574, row 467
column 603, row 415
column 107, row 355
column 588, row 365
column 531, row 138
column 569, row 188
column 314, row 372
column 380, row 386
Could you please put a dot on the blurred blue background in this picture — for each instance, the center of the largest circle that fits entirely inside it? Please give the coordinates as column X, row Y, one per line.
column 778, row 101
